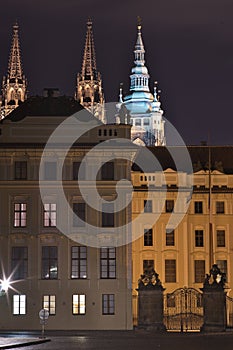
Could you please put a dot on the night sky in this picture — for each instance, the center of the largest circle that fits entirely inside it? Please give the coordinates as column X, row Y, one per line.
column 189, row 51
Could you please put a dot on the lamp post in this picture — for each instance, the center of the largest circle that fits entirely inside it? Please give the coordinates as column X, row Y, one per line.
column 4, row 285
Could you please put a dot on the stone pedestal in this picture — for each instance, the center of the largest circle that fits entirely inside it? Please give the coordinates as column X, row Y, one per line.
column 150, row 309
column 214, row 302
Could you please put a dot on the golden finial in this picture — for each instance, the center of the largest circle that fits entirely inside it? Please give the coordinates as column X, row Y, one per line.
column 139, row 22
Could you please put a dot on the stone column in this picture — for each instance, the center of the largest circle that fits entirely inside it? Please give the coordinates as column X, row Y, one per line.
column 214, row 302
column 150, row 302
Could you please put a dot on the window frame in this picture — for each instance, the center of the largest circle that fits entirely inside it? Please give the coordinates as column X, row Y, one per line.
column 79, row 262
column 48, row 215
column 107, row 308
column 20, row 170
column 198, row 207
column 220, row 207
column 169, row 205
column 20, row 214
column 47, row 262
column 199, row 238
column 19, row 265
column 49, row 302
column 199, row 277
column 148, row 237
column 79, row 306
column 108, row 263
column 170, row 271
column 20, row 303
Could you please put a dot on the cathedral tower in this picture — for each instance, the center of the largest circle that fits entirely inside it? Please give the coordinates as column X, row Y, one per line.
column 14, row 85
column 89, row 91
column 140, row 105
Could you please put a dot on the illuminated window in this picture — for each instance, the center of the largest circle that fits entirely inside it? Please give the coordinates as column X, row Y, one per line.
column 108, row 304
column 20, row 215
column 50, row 215
column 49, row 303
column 79, row 304
column 19, row 262
column 49, row 262
column 107, row 262
column 78, row 262
column 19, row 304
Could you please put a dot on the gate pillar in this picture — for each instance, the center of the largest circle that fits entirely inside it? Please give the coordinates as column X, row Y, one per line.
column 150, row 301
column 214, row 301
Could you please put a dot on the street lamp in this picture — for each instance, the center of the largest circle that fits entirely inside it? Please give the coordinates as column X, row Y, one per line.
column 4, row 285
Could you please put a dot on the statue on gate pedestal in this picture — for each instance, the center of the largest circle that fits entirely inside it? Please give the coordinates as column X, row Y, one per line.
column 149, row 280
column 215, row 280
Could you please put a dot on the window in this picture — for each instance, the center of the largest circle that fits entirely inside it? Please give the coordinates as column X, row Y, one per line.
column 170, row 238
column 146, row 121
column 49, row 262
column 138, row 122
column 50, row 215
column 20, row 170
column 49, row 303
column 220, row 208
column 108, row 304
column 79, row 304
column 107, row 262
column 199, row 238
column 220, row 238
column 108, row 215
column 222, row 265
column 198, row 207
column 19, row 262
column 148, row 237
column 79, row 173
column 169, row 205
column 170, row 270
column 79, row 217
column 78, row 262
column 19, row 304
column 50, row 170
column 148, row 265
column 148, row 206
column 20, row 215
column 199, row 271
column 107, row 171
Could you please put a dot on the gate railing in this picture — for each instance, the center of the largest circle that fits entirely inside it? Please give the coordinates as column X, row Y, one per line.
column 183, row 310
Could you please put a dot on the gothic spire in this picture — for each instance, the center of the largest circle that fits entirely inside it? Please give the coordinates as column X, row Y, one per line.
column 89, row 70
column 15, row 65
column 89, row 91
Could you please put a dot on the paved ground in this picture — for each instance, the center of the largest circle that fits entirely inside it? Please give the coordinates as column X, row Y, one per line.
column 139, row 340
column 15, row 342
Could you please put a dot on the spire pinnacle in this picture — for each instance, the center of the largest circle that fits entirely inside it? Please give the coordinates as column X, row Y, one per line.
column 15, row 69
column 89, row 70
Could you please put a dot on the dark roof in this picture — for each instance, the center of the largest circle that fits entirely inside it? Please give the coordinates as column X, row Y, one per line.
column 221, row 158
column 45, row 106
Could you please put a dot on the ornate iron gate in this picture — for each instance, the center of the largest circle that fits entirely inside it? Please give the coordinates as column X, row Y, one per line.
column 183, row 310
column 229, row 304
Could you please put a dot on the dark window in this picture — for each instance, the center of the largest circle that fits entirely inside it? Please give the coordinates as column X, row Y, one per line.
column 20, row 170
column 50, row 215
column 170, row 270
column 107, row 171
column 20, row 215
column 169, row 205
column 199, row 238
column 199, row 271
column 221, row 238
column 107, row 262
column 79, row 172
column 79, row 217
column 222, row 265
column 107, row 215
column 220, row 209
column 19, row 262
column 78, row 262
column 108, row 304
column 49, row 303
column 198, row 207
column 50, row 170
column 79, row 304
column 99, row 132
column 49, row 262
column 170, row 238
column 148, row 206
column 148, row 265
column 148, row 237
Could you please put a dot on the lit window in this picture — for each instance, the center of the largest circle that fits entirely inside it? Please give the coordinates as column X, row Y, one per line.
column 79, row 304
column 108, row 304
column 49, row 262
column 49, row 303
column 19, row 304
column 107, row 262
column 20, row 215
column 78, row 262
column 50, row 215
